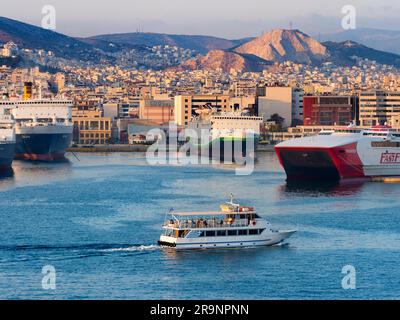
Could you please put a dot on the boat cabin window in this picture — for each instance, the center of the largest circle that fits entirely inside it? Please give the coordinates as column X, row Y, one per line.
column 255, row 231
column 385, row 144
column 176, row 233
column 224, row 233
column 169, row 233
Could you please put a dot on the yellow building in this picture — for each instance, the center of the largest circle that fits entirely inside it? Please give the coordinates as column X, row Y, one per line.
column 90, row 127
column 395, row 121
column 186, row 105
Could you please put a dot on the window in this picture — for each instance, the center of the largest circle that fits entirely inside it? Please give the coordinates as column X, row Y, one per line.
column 232, row 232
column 253, row 231
column 242, row 232
column 210, row 233
column 221, row 233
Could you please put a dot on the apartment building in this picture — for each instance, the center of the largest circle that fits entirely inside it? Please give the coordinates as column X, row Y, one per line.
column 157, row 111
column 90, row 126
column 379, row 107
column 328, row 110
column 278, row 100
column 185, row 106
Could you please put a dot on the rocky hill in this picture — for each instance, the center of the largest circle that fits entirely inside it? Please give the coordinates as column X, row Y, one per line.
column 226, row 60
column 283, row 45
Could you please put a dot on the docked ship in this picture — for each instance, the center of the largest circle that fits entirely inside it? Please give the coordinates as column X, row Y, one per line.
column 227, row 137
column 43, row 128
column 7, row 139
column 344, row 153
column 234, row 226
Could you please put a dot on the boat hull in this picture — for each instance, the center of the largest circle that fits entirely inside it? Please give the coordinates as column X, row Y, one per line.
column 7, row 151
column 269, row 239
column 320, row 163
column 42, row 146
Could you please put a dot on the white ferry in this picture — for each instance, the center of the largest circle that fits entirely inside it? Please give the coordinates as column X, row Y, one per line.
column 232, row 137
column 235, row 226
column 344, row 153
column 43, row 128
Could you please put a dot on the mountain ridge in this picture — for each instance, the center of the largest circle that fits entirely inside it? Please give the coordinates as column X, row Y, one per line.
column 32, row 37
column 379, row 39
column 200, row 43
column 252, row 54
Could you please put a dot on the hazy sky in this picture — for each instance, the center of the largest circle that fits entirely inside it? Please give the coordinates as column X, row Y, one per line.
column 224, row 18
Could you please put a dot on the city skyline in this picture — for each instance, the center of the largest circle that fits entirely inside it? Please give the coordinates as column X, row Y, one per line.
column 227, row 20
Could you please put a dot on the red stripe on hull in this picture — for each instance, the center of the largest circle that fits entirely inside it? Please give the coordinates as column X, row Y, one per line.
column 347, row 161
column 40, row 157
column 315, row 161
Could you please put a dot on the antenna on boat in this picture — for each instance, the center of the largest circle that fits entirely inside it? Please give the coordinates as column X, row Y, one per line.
column 231, row 195
column 167, row 213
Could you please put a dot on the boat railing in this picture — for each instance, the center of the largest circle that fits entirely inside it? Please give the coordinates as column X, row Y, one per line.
column 210, row 224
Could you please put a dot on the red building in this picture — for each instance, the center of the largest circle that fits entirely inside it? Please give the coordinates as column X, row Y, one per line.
column 328, row 110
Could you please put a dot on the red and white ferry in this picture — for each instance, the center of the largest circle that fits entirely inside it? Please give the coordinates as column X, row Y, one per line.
column 345, row 153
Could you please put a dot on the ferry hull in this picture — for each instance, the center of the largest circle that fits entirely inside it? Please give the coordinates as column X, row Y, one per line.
column 319, row 163
column 6, row 155
column 235, row 242
column 42, row 147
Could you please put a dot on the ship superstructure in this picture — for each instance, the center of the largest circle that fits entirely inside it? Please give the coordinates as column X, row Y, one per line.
column 230, row 136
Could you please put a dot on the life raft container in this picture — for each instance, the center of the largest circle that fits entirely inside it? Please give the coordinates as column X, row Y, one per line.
column 246, row 209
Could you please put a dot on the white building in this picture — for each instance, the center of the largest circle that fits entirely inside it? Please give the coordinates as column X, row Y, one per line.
column 10, row 49
column 276, row 100
column 297, row 105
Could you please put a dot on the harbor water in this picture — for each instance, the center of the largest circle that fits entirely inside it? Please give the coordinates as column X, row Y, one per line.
column 96, row 219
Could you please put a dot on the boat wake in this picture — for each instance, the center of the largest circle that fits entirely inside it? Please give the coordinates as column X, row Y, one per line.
column 133, row 248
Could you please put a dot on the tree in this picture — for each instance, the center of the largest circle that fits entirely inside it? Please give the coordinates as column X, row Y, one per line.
column 278, row 120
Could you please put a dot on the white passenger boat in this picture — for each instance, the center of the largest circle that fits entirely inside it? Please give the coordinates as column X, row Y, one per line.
column 232, row 227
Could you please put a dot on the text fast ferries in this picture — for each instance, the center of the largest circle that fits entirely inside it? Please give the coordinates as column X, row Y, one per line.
column 342, row 154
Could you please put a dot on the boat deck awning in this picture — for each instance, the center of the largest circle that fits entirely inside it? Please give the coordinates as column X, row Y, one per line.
column 210, row 213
